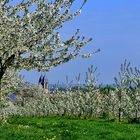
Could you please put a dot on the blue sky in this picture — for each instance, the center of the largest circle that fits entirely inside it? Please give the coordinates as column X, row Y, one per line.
column 114, row 26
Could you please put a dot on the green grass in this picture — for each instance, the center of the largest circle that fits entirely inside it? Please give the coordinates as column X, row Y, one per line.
column 33, row 128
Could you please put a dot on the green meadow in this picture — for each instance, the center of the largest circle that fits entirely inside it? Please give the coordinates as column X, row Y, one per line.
column 60, row 128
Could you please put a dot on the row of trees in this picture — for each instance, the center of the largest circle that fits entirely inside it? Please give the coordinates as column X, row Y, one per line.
column 120, row 101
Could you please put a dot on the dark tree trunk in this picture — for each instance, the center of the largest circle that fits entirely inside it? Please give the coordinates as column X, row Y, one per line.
column 120, row 108
column 4, row 66
column 119, row 114
column 1, row 76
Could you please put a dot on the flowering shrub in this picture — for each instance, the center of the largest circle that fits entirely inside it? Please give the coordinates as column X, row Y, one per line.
column 10, row 82
column 3, row 105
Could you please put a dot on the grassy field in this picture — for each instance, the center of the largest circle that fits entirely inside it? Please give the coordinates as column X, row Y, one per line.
column 57, row 128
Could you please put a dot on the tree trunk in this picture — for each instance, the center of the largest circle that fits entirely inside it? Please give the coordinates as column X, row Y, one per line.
column 0, row 87
column 1, row 76
column 4, row 66
column 120, row 114
column 120, row 108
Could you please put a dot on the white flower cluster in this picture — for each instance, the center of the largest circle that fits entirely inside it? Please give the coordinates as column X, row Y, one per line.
column 10, row 82
column 30, row 39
